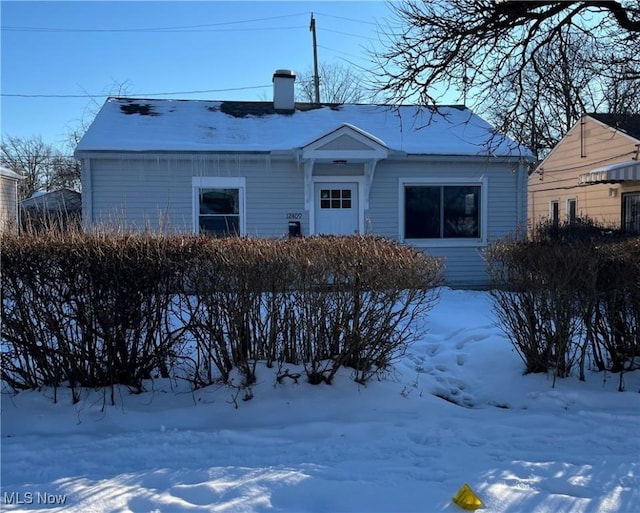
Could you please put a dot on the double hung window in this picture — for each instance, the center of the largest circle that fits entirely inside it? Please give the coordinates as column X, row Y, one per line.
column 572, row 207
column 219, row 206
column 554, row 212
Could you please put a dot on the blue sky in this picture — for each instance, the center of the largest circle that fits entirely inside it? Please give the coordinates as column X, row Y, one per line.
column 90, row 49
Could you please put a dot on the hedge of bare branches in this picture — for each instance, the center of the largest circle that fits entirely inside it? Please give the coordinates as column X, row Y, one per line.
column 95, row 310
column 570, row 296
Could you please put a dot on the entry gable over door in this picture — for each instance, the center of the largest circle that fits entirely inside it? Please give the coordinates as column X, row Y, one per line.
column 347, row 142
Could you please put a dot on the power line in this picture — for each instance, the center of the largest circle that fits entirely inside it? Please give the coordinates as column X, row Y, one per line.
column 348, row 19
column 343, row 53
column 152, row 29
column 350, row 34
column 191, row 31
column 250, row 29
column 581, row 166
column 173, row 93
column 19, row 167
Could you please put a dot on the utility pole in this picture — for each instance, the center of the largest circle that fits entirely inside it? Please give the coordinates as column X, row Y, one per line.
column 316, row 78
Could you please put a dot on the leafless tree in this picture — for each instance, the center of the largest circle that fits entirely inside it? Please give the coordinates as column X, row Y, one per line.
column 32, row 159
column 523, row 61
column 338, row 84
column 43, row 168
column 66, row 173
column 560, row 86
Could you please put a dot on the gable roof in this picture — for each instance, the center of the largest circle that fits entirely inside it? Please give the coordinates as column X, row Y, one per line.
column 627, row 123
column 11, row 175
column 347, row 142
column 126, row 124
column 346, row 128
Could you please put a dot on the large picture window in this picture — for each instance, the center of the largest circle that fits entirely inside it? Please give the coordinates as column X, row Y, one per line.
column 442, row 211
column 218, row 204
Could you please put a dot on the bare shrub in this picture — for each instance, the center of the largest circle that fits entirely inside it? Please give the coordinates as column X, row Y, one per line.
column 323, row 302
column 85, row 309
column 568, row 294
column 99, row 309
column 362, row 299
column 615, row 318
column 535, row 301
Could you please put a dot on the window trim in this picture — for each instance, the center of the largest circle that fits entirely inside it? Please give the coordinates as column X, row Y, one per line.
column 623, row 217
column 551, row 204
column 567, row 211
column 218, row 182
column 481, row 241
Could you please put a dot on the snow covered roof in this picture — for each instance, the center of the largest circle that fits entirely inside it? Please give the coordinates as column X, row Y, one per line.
column 126, row 124
column 7, row 173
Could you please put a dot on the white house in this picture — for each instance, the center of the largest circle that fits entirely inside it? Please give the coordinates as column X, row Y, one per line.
column 440, row 182
column 9, row 210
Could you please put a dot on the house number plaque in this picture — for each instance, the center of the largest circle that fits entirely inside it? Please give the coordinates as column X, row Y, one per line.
column 294, row 215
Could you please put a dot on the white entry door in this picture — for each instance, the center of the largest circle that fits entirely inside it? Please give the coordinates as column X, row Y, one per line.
column 336, row 208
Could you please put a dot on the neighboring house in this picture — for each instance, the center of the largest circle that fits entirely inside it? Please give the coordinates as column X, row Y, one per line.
column 61, row 208
column 9, row 213
column 266, row 169
column 593, row 172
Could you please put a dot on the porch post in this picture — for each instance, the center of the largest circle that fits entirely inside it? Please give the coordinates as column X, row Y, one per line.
column 308, row 184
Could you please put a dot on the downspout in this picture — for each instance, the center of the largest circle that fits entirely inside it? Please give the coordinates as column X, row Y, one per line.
column 308, row 193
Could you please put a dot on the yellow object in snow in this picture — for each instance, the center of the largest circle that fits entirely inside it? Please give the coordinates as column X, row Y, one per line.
column 467, row 499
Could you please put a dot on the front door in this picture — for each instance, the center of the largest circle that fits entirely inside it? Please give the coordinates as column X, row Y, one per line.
column 336, row 208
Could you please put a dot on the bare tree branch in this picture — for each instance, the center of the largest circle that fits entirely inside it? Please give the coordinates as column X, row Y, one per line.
column 517, row 61
column 339, row 84
column 44, row 169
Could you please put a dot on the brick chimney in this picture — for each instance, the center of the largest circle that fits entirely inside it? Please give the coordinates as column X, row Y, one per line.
column 283, row 90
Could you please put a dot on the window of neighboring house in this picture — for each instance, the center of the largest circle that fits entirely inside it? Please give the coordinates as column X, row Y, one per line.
column 631, row 212
column 572, row 205
column 219, row 205
column 554, row 212
column 442, row 211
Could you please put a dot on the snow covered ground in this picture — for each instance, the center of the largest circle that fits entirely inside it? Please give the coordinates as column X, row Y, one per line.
column 401, row 444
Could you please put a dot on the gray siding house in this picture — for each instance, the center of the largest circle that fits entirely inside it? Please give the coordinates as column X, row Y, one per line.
column 440, row 182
